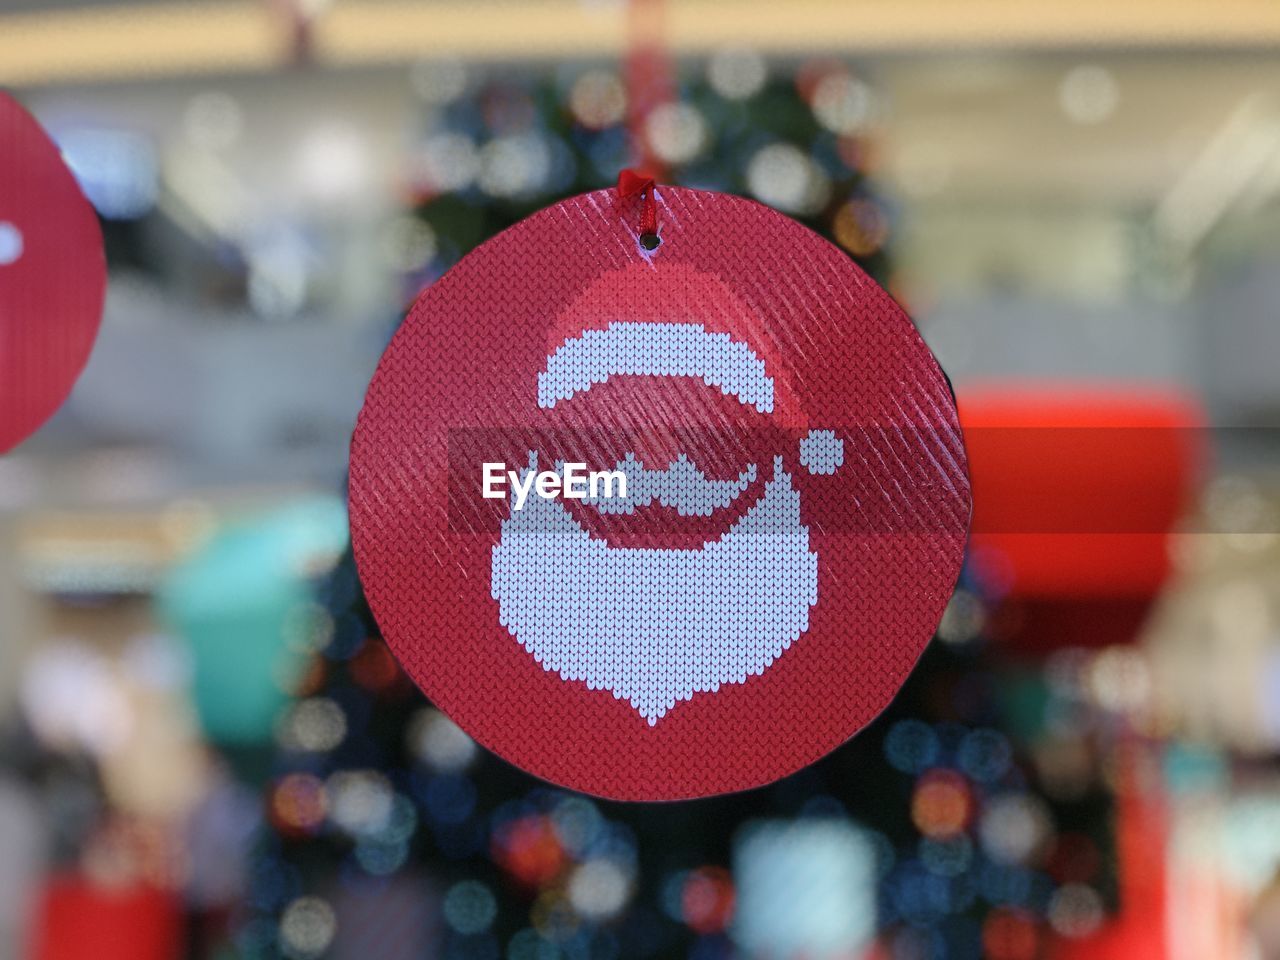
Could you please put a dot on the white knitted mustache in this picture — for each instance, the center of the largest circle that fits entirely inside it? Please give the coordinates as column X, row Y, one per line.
column 657, row 626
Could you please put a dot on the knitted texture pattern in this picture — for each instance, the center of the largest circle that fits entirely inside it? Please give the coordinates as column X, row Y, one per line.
column 794, row 518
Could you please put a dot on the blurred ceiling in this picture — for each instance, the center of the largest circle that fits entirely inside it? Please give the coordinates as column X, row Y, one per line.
column 45, row 42
column 1138, row 105
column 1118, row 131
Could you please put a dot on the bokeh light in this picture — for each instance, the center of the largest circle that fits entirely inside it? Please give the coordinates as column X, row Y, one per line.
column 438, row 82
column 553, row 916
column 1076, row 910
column 597, row 99
column 599, row 889
column 578, row 823
column 942, row 804
column 843, row 103
column 307, row 928
column 445, row 162
column 1119, row 680
column 737, row 73
column 515, row 165
column 1014, row 827
column 374, row 668
column 409, row 244
column 861, row 226
column 334, row 163
column 299, row 802
column 706, row 899
column 964, row 618
column 984, row 755
column 676, row 132
column 315, row 724
column 469, row 907
column 528, row 944
column 529, row 849
column 785, row 177
column 360, row 801
column 1089, row 94
column 948, row 857
column 381, row 857
column 441, row 743
column 912, row 746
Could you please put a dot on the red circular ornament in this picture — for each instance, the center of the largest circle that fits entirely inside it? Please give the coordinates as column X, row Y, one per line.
column 52, row 276
column 795, row 512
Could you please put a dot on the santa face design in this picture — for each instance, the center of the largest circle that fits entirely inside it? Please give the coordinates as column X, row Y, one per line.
column 795, row 511
column 656, row 625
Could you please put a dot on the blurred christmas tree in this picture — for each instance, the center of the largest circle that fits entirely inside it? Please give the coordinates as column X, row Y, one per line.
column 393, row 835
column 495, row 152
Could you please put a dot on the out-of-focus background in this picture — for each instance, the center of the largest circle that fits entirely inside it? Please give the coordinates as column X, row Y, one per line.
column 206, row 750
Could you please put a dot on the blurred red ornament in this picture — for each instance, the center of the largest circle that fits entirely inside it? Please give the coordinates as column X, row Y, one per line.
column 77, row 918
column 1076, row 491
column 706, row 901
column 53, row 276
column 529, row 849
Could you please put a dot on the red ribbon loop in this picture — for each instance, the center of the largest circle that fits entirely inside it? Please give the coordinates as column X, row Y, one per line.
column 630, row 184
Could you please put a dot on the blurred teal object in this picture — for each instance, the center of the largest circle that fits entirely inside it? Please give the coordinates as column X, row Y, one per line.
column 805, row 888
column 1195, row 768
column 241, row 603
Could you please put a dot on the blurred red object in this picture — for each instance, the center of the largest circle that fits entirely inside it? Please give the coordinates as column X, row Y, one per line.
column 1076, row 489
column 529, row 849
column 1138, row 932
column 77, row 918
column 1010, row 934
column 706, row 900
column 53, row 275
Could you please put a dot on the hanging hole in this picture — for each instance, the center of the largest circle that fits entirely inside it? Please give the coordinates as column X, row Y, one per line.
column 650, row 241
